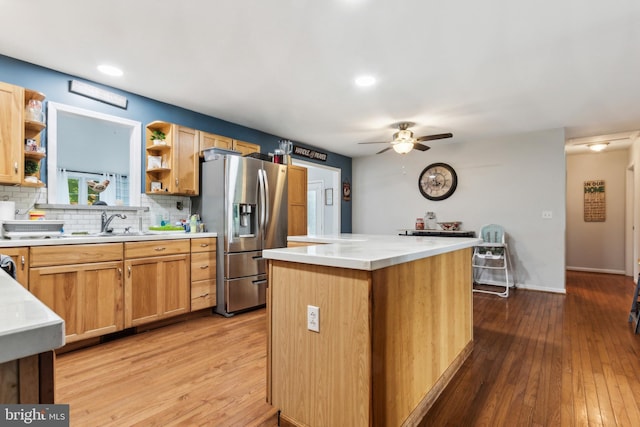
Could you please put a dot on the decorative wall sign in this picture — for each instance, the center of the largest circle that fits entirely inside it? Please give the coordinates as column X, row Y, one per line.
column 311, row 154
column 595, row 208
column 97, row 93
column 346, row 190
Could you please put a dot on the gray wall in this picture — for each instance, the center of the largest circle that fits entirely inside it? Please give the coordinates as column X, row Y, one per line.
column 508, row 181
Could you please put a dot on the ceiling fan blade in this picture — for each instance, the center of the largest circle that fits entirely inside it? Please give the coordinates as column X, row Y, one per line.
column 377, row 142
column 434, row 137
column 420, row 147
column 383, row 150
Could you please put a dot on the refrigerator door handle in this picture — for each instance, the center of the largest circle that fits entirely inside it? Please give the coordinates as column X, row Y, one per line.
column 264, row 200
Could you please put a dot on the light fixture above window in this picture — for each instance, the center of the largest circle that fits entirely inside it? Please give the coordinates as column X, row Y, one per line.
column 598, row 147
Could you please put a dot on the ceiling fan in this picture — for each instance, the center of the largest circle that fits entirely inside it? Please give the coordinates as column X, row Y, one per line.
column 403, row 140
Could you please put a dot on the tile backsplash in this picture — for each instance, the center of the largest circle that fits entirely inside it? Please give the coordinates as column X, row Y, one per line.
column 79, row 219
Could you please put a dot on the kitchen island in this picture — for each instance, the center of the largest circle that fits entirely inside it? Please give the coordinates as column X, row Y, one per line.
column 29, row 332
column 395, row 323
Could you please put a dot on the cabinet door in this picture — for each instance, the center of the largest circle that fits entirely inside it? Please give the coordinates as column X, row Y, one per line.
column 11, row 134
column 297, row 201
column 245, row 147
column 87, row 296
column 210, row 140
column 155, row 288
column 186, row 162
column 21, row 257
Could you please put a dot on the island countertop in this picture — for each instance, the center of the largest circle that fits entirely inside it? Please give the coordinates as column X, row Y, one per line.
column 366, row 251
column 27, row 326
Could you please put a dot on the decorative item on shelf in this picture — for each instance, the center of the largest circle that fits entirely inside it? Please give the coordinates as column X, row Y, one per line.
column 31, row 167
column 450, row 226
column 30, row 145
column 155, row 162
column 98, row 187
column 156, row 186
column 33, row 111
column 158, row 137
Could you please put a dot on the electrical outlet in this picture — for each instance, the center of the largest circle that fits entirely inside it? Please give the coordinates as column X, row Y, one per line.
column 313, row 318
column 547, row 214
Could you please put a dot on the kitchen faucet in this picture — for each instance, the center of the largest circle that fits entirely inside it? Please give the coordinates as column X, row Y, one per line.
column 104, row 227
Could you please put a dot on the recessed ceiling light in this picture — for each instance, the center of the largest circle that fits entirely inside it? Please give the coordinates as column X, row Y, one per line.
column 110, row 70
column 365, row 81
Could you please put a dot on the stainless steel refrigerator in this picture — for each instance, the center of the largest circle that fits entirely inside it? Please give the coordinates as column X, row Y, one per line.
column 244, row 200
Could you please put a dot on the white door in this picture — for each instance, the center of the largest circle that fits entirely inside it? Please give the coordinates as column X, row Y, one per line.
column 315, row 207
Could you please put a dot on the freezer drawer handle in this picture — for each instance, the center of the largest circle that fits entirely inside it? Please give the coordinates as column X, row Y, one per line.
column 259, row 281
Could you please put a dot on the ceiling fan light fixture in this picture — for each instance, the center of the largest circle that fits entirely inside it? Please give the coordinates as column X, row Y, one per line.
column 598, row 147
column 403, row 147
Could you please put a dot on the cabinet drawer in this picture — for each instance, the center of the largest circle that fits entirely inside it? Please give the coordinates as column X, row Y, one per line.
column 203, row 294
column 203, row 266
column 203, row 244
column 41, row 256
column 155, row 248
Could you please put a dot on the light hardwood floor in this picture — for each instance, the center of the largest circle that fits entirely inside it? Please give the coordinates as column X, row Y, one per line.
column 539, row 359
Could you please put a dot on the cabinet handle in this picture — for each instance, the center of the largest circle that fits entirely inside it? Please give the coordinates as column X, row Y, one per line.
column 204, row 245
column 120, row 272
column 177, row 182
column 129, row 270
column 204, row 295
column 15, row 167
column 22, row 262
column 202, row 267
column 160, row 248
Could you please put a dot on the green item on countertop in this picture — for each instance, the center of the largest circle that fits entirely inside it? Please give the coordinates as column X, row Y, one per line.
column 79, row 233
column 167, row 227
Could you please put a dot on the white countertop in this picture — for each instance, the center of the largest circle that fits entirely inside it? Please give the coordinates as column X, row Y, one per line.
column 27, row 326
column 84, row 239
column 367, row 251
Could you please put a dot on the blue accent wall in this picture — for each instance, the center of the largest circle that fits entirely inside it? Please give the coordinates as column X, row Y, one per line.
column 55, row 86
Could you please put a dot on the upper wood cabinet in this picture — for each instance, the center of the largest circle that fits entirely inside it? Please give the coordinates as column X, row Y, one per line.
column 297, row 200
column 15, row 127
column 172, row 165
column 11, row 134
column 210, row 140
column 245, row 147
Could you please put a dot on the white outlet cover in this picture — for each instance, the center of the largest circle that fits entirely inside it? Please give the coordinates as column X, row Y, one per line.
column 313, row 318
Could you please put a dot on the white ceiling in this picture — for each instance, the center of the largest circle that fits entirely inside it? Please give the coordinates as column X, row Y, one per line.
column 478, row 69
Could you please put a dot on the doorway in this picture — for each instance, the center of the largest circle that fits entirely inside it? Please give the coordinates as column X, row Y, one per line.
column 323, row 207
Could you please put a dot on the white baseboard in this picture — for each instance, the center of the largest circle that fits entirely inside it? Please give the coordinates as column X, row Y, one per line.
column 597, row 270
column 541, row 288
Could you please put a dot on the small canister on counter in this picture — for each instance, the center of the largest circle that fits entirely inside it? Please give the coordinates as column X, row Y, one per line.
column 419, row 223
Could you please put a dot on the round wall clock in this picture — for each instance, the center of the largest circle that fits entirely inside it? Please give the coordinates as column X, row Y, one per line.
column 437, row 181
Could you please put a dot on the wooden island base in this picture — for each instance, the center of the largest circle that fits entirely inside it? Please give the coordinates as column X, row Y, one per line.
column 389, row 342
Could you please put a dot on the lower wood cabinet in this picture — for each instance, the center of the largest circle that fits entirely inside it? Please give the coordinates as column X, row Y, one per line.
column 88, row 296
column 203, row 273
column 21, row 257
column 156, row 286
